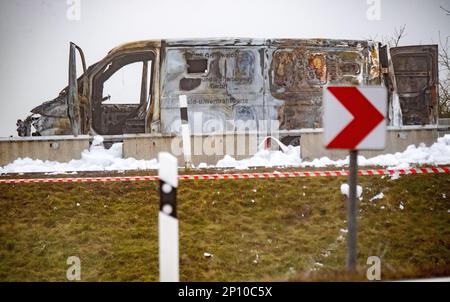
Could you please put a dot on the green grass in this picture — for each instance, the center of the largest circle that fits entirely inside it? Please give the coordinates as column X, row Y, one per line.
column 273, row 229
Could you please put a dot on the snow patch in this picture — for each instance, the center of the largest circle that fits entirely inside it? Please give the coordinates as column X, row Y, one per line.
column 345, row 190
column 264, row 158
column 202, row 166
column 378, row 196
column 97, row 141
column 436, row 154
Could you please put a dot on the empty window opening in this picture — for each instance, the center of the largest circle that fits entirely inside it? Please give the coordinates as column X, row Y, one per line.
column 125, row 85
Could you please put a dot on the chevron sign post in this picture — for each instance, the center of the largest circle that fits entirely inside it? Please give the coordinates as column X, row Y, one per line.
column 354, row 118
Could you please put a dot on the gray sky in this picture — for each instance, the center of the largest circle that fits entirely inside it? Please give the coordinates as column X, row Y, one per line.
column 35, row 34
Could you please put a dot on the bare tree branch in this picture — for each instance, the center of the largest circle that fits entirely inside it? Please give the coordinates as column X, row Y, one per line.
column 444, row 82
column 399, row 34
column 394, row 40
column 447, row 12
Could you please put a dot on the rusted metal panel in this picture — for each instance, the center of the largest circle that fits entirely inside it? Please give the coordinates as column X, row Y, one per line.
column 222, row 84
column 275, row 80
column 217, row 42
column 50, row 118
column 416, row 76
column 299, row 70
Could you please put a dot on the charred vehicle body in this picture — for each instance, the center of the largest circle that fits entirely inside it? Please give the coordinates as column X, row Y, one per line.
column 236, row 80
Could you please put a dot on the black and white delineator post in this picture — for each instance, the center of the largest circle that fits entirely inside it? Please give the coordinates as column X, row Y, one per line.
column 168, row 221
column 185, row 131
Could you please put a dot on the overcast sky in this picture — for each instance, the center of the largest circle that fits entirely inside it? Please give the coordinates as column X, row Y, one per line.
column 35, row 34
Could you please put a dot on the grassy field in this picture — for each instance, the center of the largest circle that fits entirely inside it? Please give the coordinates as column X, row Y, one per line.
column 274, row 229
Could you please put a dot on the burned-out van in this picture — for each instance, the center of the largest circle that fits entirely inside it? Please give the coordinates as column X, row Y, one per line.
column 233, row 81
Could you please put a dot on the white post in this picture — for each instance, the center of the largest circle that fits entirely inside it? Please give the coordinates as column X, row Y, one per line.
column 168, row 222
column 185, row 131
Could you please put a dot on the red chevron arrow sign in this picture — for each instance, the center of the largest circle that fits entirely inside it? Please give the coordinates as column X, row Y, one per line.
column 354, row 118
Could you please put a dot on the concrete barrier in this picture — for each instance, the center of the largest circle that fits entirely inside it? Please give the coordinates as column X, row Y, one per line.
column 56, row 148
column 397, row 139
column 444, row 126
column 205, row 148
column 444, row 122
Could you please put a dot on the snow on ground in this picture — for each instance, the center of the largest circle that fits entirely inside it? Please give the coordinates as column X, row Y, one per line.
column 97, row 158
column 345, row 190
column 264, row 158
column 378, row 196
column 436, row 154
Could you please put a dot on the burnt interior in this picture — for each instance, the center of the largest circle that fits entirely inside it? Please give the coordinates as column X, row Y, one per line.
column 119, row 118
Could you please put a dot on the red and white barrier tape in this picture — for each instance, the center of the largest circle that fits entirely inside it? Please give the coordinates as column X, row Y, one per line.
column 433, row 170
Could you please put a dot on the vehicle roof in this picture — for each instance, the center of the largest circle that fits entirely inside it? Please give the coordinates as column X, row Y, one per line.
column 241, row 42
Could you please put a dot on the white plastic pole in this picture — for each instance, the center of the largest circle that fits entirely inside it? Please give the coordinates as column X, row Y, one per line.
column 168, row 221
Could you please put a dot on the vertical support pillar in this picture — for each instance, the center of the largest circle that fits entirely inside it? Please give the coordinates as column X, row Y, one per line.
column 73, row 104
column 185, row 132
